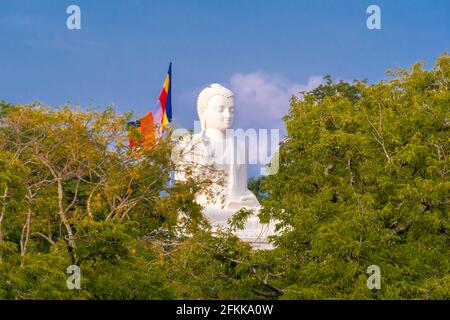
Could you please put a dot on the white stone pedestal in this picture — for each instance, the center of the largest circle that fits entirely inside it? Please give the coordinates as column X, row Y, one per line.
column 254, row 232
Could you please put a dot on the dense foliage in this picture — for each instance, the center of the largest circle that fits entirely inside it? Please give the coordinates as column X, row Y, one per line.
column 363, row 180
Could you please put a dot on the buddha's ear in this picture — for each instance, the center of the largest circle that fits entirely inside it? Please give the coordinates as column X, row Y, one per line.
column 203, row 123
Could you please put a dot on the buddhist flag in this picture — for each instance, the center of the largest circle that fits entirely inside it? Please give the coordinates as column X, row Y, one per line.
column 165, row 99
column 146, row 128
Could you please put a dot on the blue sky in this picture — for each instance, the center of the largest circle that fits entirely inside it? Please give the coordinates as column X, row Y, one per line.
column 263, row 50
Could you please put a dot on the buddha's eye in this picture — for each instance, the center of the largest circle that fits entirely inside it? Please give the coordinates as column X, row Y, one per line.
column 219, row 108
column 231, row 109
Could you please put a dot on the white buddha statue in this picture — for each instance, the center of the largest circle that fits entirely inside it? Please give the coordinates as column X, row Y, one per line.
column 216, row 146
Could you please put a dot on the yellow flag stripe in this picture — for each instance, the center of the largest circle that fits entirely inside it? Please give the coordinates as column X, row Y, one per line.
column 166, row 84
column 165, row 119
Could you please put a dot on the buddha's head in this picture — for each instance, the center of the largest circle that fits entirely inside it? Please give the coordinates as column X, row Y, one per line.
column 215, row 107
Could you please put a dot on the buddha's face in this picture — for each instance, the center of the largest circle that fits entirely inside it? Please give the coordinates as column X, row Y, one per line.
column 219, row 113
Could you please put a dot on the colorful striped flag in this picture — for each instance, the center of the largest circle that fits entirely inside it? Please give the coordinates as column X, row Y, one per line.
column 148, row 130
column 165, row 99
column 146, row 126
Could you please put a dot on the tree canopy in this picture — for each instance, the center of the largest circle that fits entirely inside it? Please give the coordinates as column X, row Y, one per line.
column 363, row 180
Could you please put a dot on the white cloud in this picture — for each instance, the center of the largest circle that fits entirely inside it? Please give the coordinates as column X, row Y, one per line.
column 262, row 99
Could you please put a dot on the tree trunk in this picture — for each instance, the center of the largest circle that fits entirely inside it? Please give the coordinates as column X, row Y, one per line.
column 25, row 235
column 2, row 215
column 70, row 240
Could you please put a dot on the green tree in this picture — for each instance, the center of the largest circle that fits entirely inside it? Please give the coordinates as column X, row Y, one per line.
column 363, row 180
column 73, row 192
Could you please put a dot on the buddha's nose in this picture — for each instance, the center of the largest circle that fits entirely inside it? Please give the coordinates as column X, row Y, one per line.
column 227, row 114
